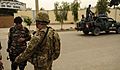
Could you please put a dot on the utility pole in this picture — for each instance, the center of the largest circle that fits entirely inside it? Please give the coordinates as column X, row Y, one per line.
column 37, row 6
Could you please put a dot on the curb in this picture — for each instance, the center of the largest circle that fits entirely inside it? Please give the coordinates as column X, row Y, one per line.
column 58, row 30
column 64, row 30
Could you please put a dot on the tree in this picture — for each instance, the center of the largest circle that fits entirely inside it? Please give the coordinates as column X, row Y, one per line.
column 56, row 6
column 28, row 21
column 65, row 8
column 102, row 7
column 61, row 11
column 74, row 8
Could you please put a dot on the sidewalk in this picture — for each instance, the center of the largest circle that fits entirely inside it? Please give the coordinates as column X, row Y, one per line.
column 57, row 27
column 66, row 27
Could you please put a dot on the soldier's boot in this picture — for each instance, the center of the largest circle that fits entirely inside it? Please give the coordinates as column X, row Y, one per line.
column 22, row 65
column 21, row 68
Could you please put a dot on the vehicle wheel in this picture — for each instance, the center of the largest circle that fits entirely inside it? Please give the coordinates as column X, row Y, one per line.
column 96, row 31
column 107, row 32
column 118, row 30
column 86, row 32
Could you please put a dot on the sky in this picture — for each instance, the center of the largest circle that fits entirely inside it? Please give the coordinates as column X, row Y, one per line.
column 49, row 4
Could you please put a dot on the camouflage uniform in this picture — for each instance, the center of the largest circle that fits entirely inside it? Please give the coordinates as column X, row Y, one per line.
column 15, row 47
column 1, row 64
column 42, row 56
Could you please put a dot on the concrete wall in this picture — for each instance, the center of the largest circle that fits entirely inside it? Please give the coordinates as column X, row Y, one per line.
column 6, row 21
column 112, row 14
column 70, row 16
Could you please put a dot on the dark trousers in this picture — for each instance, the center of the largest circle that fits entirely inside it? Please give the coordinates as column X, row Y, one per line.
column 47, row 67
column 42, row 68
column 21, row 65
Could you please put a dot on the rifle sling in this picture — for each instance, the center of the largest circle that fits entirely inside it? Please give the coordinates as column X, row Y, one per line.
column 39, row 44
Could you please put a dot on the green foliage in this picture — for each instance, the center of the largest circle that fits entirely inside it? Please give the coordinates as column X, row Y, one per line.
column 74, row 8
column 114, row 2
column 61, row 11
column 56, row 5
column 28, row 21
column 102, row 7
column 65, row 8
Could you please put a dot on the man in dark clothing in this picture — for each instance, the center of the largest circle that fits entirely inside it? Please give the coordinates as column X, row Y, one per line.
column 17, row 38
column 88, row 13
column 83, row 18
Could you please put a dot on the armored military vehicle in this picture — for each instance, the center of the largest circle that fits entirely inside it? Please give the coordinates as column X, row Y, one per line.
column 97, row 25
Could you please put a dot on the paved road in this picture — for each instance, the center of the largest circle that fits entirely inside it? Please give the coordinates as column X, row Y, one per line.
column 80, row 52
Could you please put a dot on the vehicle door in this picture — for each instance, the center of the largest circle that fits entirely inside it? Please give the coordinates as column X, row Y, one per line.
column 99, row 23
column 112, row 23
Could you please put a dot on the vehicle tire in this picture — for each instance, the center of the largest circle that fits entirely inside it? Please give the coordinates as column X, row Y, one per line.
column 96, row 31
column 118, row 30
column 86, row 32
column 107, row 32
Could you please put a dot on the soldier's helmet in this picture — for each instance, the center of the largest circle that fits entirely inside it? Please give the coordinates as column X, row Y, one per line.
column 42, row 17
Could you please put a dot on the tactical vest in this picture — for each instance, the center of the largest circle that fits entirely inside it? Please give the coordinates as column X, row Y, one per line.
column 16, row 34
column 50, row 48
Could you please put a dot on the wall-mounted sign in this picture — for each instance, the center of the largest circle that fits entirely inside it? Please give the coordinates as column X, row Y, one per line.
column 12, row 5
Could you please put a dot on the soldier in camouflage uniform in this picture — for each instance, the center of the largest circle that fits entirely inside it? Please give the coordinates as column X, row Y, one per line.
column 17, row 38
column 44, row 46
column 1, row 64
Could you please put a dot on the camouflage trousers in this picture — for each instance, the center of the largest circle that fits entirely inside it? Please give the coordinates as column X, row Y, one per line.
column 13, row 55
column 21, row 65
column 47, row 67
column 1, row 65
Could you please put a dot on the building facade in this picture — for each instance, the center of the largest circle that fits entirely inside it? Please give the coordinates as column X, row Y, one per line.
column 7, row 10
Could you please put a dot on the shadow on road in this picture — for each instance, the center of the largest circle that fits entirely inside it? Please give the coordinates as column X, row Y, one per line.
column 101, row 34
